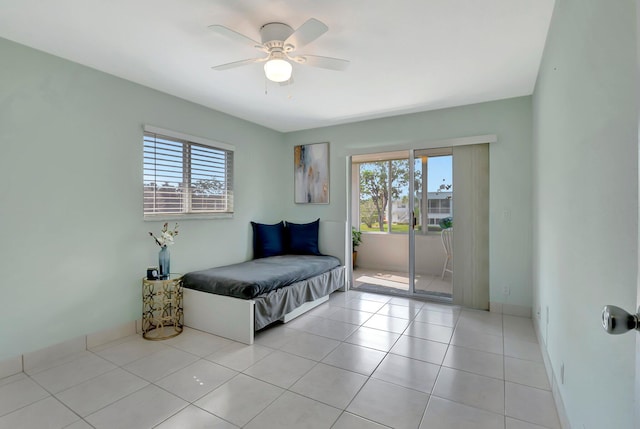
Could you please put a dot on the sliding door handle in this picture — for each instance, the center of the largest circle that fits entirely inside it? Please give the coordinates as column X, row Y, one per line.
column 616, row 321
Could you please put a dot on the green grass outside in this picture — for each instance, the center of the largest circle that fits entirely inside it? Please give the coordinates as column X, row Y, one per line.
column 394, row 227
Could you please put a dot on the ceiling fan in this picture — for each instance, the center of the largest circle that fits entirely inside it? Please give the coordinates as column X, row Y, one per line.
column 280, row 42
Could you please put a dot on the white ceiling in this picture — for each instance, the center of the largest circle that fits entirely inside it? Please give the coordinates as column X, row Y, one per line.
column 406, row 55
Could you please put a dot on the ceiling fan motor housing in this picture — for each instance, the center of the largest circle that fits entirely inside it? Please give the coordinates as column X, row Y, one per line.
column 280, row 41
column 274, row 34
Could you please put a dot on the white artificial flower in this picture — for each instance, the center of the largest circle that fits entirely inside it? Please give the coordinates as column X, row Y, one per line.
column 167, row 238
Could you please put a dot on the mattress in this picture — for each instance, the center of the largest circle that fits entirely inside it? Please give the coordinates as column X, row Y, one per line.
column 249, row 279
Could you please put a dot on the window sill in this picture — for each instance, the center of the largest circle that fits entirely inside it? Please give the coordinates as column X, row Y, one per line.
column 187, row 216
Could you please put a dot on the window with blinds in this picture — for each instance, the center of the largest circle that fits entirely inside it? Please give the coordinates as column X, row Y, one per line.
column 186, row 177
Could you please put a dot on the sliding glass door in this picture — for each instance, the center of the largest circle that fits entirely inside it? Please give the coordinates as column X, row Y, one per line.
column 431, row 210
column 407, row 205
column 380, row 204
column 401, row 202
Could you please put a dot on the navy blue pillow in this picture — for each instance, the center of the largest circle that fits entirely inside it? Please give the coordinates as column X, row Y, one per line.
column 302, row 238
column 268, row 240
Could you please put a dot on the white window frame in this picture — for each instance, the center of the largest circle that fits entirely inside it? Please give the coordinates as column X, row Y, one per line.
column 188, row 141
column 380, row 158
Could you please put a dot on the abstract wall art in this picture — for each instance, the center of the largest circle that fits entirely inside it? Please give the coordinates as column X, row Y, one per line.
column 311, row 173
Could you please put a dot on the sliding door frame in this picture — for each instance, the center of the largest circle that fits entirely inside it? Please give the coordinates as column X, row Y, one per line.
column 411, row 147
column 412, row 232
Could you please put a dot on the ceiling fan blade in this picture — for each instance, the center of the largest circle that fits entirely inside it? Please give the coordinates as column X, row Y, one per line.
column 306, row 33
column 239, row 63
column 234, row 35
column 322, row 62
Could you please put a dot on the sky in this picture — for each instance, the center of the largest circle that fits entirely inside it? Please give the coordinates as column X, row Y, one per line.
column 440, row 171
column 440, row 167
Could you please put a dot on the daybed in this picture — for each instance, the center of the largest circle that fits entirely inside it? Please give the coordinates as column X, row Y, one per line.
column 236, row 300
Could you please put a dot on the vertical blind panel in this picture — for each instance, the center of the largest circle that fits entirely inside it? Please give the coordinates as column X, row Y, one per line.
column 471, row 226
column 185, row 177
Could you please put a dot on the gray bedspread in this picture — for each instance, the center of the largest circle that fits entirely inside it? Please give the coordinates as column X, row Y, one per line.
column 249, row 279
column 272, row 306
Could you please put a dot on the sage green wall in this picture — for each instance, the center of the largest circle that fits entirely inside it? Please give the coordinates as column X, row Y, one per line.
column 585, row 204
column 78, row 241
column 510, row 175
column 74, row 241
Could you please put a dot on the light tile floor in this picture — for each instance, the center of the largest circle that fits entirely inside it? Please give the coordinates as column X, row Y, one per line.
column 359, row 361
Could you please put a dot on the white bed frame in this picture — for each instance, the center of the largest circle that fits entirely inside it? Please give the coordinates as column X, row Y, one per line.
column 234, row 318
column 229, row 317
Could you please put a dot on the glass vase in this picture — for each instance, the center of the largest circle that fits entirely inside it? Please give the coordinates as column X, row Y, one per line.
column 164, row 261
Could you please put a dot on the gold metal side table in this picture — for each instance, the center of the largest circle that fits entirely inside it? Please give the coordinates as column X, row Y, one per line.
column 162, row 315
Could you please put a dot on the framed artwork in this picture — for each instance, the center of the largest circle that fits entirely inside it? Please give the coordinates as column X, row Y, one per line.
column 311, row 173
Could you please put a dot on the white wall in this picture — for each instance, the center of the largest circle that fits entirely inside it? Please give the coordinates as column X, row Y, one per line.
column 391, row 252
column 74, row 243
column 585, row 204
column 510, row 175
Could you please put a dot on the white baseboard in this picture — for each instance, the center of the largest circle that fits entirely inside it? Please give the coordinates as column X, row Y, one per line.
column 510, row 309
column 111, row 334
column 553, row 380
column 11, row 366
column 48, row 357
column 45, row 358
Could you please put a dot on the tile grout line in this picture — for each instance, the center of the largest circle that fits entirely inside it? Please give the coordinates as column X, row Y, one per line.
column 504, row 370
column 369, row 376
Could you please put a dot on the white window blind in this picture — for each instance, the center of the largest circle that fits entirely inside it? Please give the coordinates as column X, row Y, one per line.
column 185, row 177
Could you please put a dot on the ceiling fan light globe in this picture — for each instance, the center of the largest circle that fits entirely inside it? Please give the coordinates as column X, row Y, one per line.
column 278, row 70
